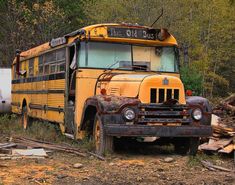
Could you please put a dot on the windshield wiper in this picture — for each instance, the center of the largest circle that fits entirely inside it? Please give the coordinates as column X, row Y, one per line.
column 109, row 67
column 132, row 67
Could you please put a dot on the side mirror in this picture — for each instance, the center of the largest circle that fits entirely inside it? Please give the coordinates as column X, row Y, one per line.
column 18, row 62
column 18, row 72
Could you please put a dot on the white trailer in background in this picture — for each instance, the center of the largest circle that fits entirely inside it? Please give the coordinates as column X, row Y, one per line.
column 5, row 90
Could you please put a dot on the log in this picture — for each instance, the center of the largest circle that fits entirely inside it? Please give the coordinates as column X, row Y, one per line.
column 229, row 104
column 212, row 167
column 47, row 145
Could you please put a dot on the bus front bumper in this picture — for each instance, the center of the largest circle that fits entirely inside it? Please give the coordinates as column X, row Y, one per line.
column 157, row 131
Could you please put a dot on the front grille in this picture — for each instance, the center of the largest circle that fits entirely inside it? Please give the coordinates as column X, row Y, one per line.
column 161, row 95
column 160, row 113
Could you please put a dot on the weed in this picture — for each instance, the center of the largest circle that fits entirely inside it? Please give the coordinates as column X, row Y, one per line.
column 9, row 124
column 44, row 131
column 196, row 160
column 88, row 144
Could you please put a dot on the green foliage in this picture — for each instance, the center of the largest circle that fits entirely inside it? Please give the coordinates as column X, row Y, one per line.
column 192, row 80
column 41, row 130
column 44, row 131
column 194, row 161
column 204, row 29
column 9, row 124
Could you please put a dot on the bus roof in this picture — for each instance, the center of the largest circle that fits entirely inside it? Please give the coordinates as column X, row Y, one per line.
column 108, row 32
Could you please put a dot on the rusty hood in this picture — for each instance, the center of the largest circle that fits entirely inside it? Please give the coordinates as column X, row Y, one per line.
column 140, row 85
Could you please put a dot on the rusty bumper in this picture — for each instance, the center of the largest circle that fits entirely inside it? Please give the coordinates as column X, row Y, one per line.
column 159, row 131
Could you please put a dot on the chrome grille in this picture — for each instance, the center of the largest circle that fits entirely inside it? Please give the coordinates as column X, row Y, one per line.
column 163, row 114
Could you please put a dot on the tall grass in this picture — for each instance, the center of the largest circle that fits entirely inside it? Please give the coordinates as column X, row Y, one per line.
column 45, row 131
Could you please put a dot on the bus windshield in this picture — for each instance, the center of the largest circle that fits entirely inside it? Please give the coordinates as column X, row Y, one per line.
column 127, row 56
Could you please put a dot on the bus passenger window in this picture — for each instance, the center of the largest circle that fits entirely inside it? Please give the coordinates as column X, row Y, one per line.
column 61, row 67
column 60, row 55
column 40, row 65
column 50, row 57
column 60, row 59
column 46, row 69
column 31, row 67
column 53, row 68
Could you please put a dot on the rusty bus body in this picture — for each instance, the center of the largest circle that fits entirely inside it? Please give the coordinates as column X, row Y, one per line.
column 109, row 80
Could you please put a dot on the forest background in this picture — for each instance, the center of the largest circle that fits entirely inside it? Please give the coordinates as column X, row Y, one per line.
column 204, row 30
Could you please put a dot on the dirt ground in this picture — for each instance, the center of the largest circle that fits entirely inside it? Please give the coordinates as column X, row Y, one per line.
column 143, row 165
column 131, row 164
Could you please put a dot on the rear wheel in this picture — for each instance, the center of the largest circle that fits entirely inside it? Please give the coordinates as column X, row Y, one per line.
column 25, row 121
column 102, row 142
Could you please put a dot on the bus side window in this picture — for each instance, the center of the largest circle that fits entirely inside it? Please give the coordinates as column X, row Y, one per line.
column 46, row 69
column 40, row 65
column 49, row 60
column 60, row 59
column 53, row 68
column 31, row 67
column 61, row 67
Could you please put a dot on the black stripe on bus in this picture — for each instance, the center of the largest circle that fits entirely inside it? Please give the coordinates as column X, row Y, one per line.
column 40, row 78
column 45, row 107
column 50, row 91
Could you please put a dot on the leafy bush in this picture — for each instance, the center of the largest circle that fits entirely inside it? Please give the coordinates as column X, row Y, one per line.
column 192, row 80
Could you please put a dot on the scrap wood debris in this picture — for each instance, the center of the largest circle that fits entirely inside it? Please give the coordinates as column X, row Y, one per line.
column 21, row 147
column 47, row 145
column 223, row 124
column 213, row 167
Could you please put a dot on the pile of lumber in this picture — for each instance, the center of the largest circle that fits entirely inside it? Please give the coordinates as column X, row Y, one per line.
column 223, row 124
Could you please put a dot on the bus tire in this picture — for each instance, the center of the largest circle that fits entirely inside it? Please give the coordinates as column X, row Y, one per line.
column 102, row 142
column 25, row 121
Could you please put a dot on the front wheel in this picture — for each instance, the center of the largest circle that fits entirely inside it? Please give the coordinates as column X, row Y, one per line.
column 102, row 142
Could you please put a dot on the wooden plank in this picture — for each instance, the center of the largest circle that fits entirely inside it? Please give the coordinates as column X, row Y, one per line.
column 216, row 145
column 29, row 152
column 7, row 145
column 215, row 120
column 213, row 167
column 228, row 149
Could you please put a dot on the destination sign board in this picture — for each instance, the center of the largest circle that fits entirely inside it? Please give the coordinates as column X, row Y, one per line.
column 58, row 41
column 133, row 33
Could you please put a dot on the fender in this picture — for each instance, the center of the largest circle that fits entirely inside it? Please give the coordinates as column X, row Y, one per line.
column 107, row 104
column 203, row 103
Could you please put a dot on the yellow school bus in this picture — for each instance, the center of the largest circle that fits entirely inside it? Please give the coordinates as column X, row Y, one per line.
column 109, row 81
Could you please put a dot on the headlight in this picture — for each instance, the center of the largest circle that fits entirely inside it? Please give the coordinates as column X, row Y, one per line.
column 129, row 114
column 197, row 114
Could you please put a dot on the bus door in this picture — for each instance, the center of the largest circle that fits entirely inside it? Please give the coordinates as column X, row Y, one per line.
column 70, row 89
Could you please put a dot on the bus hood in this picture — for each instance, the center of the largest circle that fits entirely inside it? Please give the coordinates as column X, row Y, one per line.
column 149, row 88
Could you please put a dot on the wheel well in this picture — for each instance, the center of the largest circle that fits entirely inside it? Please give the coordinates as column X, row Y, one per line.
column 89, row 117
column 24, row 103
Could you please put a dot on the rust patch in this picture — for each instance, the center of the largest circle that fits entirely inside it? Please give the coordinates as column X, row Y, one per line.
column 113, row 104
